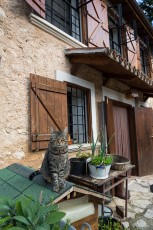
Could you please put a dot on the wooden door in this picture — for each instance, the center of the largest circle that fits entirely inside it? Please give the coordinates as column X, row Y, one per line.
column 144, row 140
column 48, row 109
column 122, row 131
column 118, row 117
column 97, row 24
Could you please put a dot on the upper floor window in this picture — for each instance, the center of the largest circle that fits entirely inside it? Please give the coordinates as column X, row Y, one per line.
column 143, row 60
column 114, row 36
column 64, row 14
column 114, row 20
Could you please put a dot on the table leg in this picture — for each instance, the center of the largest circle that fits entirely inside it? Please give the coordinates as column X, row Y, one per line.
column 126, row 196
column 103, row 202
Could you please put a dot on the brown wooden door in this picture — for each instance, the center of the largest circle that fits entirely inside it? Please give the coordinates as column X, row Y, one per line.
column 48, row 109
column 122, row 132
column 97, row 24
column 144, row 140
column 118, row 122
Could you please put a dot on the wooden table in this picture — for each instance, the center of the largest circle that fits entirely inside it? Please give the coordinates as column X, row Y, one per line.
column 105, row 185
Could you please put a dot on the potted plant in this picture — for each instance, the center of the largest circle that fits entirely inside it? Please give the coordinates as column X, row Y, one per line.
column 110, row 223
column 78, row 164
column 100, row 163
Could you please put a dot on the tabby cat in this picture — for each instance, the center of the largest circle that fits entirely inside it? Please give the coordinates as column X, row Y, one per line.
column 55, row 166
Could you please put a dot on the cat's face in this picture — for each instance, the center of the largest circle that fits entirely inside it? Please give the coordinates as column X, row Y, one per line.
column 58, row 139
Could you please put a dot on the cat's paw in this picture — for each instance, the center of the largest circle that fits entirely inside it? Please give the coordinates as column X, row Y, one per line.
column 62, row 183
column 56, row 188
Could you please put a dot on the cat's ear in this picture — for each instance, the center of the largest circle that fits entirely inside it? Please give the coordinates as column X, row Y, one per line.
column 51, row 129
column 65, row 130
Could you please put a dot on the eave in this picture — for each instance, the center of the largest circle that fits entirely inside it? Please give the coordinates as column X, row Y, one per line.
column 111, row 65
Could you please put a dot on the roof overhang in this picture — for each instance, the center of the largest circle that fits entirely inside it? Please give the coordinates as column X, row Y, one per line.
column 112, row 66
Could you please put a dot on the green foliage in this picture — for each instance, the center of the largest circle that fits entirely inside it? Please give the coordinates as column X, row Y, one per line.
column 147, row 7
column 83, row 155
column 117, row 225
column 101, row 160
column 29, row 215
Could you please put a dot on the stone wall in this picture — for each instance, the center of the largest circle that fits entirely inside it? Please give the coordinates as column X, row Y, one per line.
column 25, row 49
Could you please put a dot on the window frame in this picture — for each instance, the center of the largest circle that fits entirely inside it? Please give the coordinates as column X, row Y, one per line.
column 73, row 15
column 91, row 109
column 113, row 18
column 87, row 114
column 143, row 58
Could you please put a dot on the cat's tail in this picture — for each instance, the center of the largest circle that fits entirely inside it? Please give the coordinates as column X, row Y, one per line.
column 35, row 173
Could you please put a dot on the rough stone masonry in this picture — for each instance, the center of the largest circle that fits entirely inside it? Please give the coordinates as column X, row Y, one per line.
column 25, row 49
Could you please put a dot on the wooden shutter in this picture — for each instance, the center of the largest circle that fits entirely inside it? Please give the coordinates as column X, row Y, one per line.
column 48, row 109
column 131, row 47
column 138, row 55
column 38, row 6
column 97, row 24
column 144, row 140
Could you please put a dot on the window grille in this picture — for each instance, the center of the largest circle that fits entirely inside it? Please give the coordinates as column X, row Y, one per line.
column 114, row 36
column 77, row 114
column 64, row 14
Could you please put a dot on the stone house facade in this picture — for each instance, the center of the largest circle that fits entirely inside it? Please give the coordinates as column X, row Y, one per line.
column 36, row 41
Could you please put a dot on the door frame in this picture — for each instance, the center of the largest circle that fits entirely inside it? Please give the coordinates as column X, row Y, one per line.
column 111, row 128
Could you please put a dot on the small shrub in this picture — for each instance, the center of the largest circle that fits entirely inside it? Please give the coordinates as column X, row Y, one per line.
column 26, row 214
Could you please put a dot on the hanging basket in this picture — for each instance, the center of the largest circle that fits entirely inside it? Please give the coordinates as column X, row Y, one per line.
column 119, row 162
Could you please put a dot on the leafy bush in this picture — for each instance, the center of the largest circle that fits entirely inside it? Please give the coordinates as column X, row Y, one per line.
column 29, row 215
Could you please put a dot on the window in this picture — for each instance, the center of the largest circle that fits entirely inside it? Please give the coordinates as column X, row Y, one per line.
column 143, row 60
column 114, row 24
column 77, row 114
column 89, row 124
column 60, row 104
column 114, row 39
column 64, row 14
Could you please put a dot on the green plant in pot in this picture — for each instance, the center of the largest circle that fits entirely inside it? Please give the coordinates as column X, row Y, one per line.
column 100, row 163
column 110, row 223
column 78, row 164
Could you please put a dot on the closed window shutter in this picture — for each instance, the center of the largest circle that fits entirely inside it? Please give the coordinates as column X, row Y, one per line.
column 131, row 47
column 38, row 6
column 97, row 24
column 138, row 55
column 48, row 109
